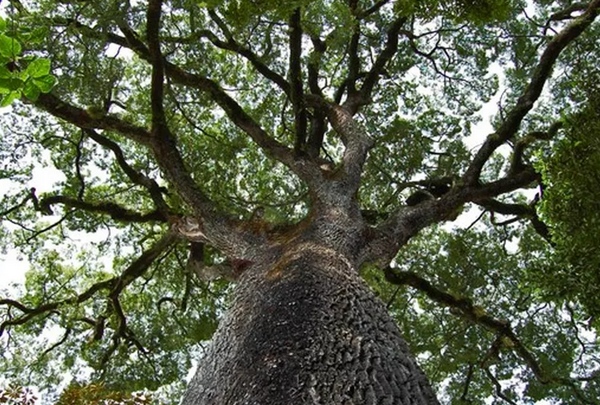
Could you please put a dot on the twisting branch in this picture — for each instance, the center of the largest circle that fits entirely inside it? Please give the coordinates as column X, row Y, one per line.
column 566, row 13
column 82, row 119
column 498, row 387
column 35, row 234
column 136, row 177
column 541, row 73
column 373, row 9
column 59, row 343
column 520, row 211
column 362, row 97
column 30, row 196
column 236, row 113
column 520, row 146
column 234, row 46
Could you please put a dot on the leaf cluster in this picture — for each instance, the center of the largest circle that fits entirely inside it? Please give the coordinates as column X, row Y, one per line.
column 32, row 80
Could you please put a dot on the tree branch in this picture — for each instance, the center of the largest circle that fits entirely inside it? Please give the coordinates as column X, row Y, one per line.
column 520, row 211
column 164, row 144
column 525, row 103
column 395, row 232
column 297, row 92
column 353, row 62
column 165, row 151
column 373, row 9
column 233, row 110
column 159, row 124
column 82, row 119
column 113, row 210
column 136, row 177
column 566, row 13
column 30, row 195
column 234, row 46
column 363, row 97
column 318, row 124
column 136, row 269
column 465, row 308
column 498, row 387
column 520, row 146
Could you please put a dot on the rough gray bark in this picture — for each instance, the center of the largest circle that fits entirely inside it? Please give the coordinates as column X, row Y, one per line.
column 305, row 329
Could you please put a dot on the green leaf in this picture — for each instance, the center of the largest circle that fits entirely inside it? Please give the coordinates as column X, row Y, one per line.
column 9, row 46
column 10, row 97
column 45, row 83
column 31, row 91
column 38, row 68
column 2, row 24
column 11, row 84
column 38, row 35
column 4, row 72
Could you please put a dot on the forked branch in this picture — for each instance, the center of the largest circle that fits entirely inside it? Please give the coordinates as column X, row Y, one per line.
column 356, row 141
column 362, row 97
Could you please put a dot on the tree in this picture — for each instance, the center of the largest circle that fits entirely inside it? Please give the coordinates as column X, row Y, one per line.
column 311, row 152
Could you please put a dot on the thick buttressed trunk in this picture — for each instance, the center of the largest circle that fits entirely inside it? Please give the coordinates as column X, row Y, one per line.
column 305, row 329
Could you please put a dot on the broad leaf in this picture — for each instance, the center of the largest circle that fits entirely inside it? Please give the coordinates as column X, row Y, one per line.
column 9, row 47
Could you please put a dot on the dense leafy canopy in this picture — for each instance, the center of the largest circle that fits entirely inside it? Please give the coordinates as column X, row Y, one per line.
column 503, row 305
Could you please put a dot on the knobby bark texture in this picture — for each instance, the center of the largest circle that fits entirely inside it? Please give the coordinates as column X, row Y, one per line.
column 305, row 329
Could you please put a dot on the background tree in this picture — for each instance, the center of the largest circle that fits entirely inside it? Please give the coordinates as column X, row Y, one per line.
column 280, row 146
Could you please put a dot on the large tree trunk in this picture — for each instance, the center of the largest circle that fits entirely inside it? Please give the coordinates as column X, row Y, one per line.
column 305, row 329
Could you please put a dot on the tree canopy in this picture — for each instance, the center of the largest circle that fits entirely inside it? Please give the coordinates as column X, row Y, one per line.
column 152, row 113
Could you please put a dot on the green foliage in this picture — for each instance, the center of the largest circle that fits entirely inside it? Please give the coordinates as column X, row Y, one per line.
column 422, row 115
column 93, row 394
column 477, row 265
column 572, row 205
column 461, row 10
column 15, row 82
